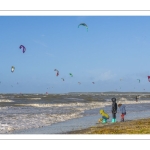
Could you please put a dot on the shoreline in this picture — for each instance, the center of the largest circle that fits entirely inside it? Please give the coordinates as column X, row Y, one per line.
column 89, row 117
column 83, row 125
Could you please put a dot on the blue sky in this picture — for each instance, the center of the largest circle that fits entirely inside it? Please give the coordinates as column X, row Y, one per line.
column 114, row 48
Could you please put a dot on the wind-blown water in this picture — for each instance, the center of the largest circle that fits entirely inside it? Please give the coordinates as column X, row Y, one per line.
column 25, row 111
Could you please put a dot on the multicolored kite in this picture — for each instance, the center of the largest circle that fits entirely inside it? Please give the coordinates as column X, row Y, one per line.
column 57, row 72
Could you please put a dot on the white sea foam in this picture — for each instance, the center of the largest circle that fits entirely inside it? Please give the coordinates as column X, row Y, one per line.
column 75, row 98
column 36, row 98
column 6, row 100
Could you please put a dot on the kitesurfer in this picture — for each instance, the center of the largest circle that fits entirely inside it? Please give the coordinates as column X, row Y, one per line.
column 137, row 97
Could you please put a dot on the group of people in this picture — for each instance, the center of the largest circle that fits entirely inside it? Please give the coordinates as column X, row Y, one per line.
column 105, row 116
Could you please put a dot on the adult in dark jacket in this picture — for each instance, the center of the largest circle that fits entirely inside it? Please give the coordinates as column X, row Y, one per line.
column 114, row 109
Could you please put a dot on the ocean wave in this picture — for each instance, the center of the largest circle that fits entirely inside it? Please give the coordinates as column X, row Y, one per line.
column 76, row 104
column 6, row 100
column 36, row 98
column 75, row 98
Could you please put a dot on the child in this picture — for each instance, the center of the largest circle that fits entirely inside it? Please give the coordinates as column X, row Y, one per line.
column 105, row 116
column 123, row 111
column 114, row 109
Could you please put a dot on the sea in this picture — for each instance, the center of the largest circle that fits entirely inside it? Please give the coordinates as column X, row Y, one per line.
column 61, row 113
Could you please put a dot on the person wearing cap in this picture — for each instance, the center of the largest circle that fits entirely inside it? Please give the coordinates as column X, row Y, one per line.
column 114, row 109
column 105, row 116
column 123, row 111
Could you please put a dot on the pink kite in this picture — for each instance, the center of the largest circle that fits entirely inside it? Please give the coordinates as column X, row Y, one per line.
column 149, row 78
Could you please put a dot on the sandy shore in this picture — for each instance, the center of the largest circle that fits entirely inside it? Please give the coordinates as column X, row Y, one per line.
column 140, row 126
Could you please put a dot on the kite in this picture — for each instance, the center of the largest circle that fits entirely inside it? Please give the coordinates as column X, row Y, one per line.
column 139, row 80
column 23, row 48
column 93, row 82
column 63, row 79
column 83, row 24
column 149, row 78
column 12, row 69
column 71, row 74
column 79, row 82
column 57, row 72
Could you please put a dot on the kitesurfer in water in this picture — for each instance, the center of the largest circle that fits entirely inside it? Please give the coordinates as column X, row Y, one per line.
column 137, row 97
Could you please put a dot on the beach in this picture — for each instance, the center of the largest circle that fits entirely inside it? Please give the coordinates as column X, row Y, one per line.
column 139, row 126
column 64, row 113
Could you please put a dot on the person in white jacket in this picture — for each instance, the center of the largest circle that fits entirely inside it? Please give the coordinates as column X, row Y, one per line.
column 123, row 111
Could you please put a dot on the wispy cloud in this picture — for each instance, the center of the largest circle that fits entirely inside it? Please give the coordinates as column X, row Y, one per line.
column 49, row 54
column 140, row 74
column 41, row 43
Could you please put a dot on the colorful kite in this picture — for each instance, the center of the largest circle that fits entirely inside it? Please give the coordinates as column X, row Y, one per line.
column 83, row 24
column 23, row 48
column 63, row 79
column 57, row 72
column 12, row 69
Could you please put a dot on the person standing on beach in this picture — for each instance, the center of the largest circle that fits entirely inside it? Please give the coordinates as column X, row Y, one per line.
column 114, row 109
column 123, row 111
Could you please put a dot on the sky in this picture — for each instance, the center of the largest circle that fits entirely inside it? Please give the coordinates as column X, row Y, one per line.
column 114, row 53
